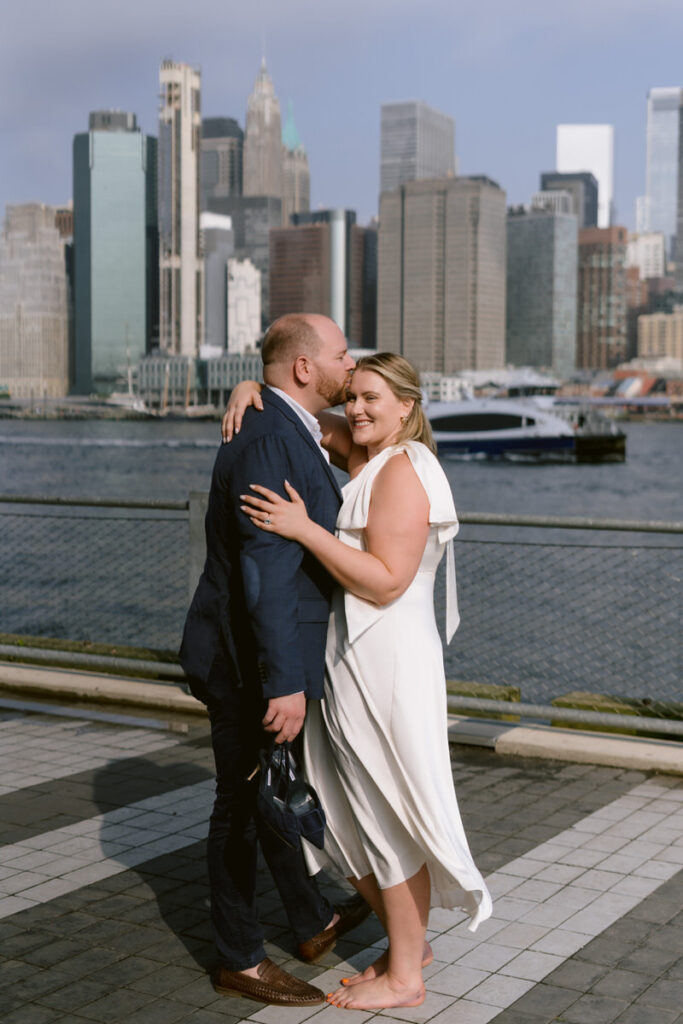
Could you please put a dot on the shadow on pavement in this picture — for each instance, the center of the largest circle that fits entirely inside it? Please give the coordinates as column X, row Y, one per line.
column 178, row 879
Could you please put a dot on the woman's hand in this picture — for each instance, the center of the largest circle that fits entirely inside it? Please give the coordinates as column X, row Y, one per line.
column 274, row 514
column 246, row 393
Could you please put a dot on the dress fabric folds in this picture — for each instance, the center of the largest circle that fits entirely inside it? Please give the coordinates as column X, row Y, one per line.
column 376, row 747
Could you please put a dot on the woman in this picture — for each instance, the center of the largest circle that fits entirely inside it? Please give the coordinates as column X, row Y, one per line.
column 377, row 747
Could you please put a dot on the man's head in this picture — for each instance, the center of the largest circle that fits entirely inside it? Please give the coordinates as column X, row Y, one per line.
column 306, row 356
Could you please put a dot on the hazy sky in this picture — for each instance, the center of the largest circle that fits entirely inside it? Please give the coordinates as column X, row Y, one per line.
column 508, row 71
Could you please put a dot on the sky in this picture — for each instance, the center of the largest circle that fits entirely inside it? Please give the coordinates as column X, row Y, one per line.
column 507, row 72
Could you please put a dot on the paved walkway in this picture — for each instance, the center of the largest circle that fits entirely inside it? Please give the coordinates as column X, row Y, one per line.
column 104, row 901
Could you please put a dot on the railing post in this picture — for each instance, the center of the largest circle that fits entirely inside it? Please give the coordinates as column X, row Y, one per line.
column 198, row 504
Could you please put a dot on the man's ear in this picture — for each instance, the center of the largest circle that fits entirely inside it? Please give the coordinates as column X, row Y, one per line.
column 302, row 369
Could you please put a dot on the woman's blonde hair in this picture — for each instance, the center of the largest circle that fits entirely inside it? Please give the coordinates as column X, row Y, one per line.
column 404, row 382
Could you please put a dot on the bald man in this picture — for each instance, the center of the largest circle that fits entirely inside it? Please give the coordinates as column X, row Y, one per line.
column 254, row 647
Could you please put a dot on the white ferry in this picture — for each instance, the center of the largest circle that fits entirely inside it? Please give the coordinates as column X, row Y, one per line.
column 521, row 429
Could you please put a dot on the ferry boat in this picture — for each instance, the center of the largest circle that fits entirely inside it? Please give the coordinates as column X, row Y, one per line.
column 531, row 428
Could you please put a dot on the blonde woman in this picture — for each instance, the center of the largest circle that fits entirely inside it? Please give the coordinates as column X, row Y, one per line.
column 377, row 746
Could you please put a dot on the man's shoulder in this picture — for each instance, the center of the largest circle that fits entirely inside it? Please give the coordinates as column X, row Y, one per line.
column 271, row 428
column 273, row 420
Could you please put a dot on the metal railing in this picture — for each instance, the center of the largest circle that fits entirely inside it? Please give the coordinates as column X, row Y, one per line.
column 549, row 604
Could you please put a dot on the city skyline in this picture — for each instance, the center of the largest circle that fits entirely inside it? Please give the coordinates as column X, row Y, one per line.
column 506, row 79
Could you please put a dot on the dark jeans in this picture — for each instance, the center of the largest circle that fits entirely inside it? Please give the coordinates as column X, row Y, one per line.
column 234, row 830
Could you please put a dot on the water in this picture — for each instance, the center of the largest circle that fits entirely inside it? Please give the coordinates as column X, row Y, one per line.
column 153, row 459
column 551, row 612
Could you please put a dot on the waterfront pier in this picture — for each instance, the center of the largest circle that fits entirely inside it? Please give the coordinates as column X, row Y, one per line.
column 107, row 780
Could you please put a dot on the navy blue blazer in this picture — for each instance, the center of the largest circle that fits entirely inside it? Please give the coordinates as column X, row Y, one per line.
column 262, row 602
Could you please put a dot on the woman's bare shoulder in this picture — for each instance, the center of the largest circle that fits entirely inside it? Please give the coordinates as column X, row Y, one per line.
column 397, row 480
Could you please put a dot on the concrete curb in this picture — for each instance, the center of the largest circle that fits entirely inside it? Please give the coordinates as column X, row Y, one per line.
column 556, row 744
column 70, row 684
column 521, row 740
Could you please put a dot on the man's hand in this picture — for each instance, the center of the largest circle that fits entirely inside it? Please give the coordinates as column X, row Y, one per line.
column 285, row 716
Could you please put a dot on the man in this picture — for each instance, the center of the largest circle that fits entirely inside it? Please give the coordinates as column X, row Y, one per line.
column 253, row 650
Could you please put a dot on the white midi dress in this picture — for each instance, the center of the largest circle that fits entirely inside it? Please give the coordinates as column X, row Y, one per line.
column 376, row 748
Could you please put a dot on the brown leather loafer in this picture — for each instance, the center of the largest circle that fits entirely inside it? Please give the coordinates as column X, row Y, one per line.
column 350, row 915
column 273, row 986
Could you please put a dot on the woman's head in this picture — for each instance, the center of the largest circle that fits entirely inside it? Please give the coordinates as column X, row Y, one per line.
column 385, row 402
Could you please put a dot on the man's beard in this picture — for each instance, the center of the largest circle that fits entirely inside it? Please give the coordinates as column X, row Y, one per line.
column 330, row 389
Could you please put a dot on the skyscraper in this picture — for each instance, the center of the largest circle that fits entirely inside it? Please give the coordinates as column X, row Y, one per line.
column 323, row 263
column 115, row 249
column 583, row 188
column 253, row 218
column 601, row 328
column 541, row 289
column 181, row 298
column 416, row 142
column 679, row 203
column 244, row 306
column 263, row 140
column 34, row 304
column 590, row 147
column 296, row 177
column 441, row 274
column 661, row 168
column 648, row 253
column 221, row 159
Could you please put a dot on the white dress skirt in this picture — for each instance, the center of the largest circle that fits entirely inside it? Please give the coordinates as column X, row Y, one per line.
column 376, row 748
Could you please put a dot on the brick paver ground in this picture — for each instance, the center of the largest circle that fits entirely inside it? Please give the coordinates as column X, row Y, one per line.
column 104, row 897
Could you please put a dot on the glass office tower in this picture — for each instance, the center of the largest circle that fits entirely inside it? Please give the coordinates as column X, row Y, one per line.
column 661, row 169
column 114, row 169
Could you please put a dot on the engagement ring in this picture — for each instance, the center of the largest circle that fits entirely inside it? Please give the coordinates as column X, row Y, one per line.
column 267, row 521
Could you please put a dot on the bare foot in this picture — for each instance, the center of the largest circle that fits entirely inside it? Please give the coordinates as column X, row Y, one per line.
column 380, row 993
column 380, row 965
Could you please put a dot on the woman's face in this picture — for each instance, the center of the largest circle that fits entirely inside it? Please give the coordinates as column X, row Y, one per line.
column 373, row 411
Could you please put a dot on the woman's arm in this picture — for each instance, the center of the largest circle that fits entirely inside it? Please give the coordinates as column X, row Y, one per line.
column 337, row 441
column 244, row 394
column 395, row 535
column 336, row 437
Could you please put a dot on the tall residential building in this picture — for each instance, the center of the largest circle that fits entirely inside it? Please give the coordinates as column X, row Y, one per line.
column 34, row 304
column 601, row 327
column 263, row 140
column 637, row 304
column 583, row 188
column 541, row 289
column 323, row 263
column 221, row 159
column 590, row 147
column 416, row 142
column 181, row 268
column 115, row 249
column 661, row 167
column 218, row 244
column 296, row 177
column 441, row 276
column 660, row 335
